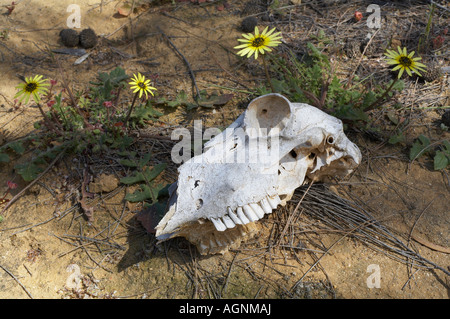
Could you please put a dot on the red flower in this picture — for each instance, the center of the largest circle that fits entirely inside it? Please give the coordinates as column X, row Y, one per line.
column 51, row 103
column 11, row 185
column 53, row 82
column 107, row 104
column 358, row 16
column 438, row 42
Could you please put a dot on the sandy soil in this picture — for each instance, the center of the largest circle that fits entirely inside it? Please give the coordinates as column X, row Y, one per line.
column 47, row 248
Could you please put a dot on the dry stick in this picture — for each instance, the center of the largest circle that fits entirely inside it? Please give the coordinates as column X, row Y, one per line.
column 360, row 58
column 380, row 99
column 32, row 183
column 331, row 247
column 422, row 241
column 293, row 213
column 47, row 121
column 224, row 288
column 417, row 219
column 95, row 262
column 17, row 280
column 185, row 61
column 35, row 225
column 131, row 108
column 234, row 79
column 384, row 234
column 409, row 269
column 69, row 91
column 267, row 74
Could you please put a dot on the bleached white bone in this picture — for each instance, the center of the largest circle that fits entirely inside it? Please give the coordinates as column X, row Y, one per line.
column 251, row 168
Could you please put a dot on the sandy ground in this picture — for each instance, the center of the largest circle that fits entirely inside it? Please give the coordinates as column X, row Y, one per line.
column 52, row 257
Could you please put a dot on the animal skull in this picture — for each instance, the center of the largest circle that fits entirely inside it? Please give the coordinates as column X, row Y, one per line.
column 253, row 166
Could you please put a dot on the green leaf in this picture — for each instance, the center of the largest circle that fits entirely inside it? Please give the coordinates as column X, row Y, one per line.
column 144, row 160
column 369, row 98
column 128, row 163
column 4, row 158
column 146, row 176
column 145, row 193
column 115, row 76
column 17, row 147
column 144, row 113
column 215, row 100
column 127, row 153
column 29, row 171
column 446, row 145
column 397, row 138
column 418, row 147
column 133, row 163
column 440, row 160
column 348, row 112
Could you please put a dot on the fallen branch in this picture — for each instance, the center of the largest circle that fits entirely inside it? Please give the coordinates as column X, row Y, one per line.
column 87, row 210
column 17, row 280
column 191, row 73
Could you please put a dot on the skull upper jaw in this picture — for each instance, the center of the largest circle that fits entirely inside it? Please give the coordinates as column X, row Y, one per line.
column 213, row 206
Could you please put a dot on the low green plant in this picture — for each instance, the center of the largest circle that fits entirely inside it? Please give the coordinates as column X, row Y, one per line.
column 439, row 151
column 424, row 38
column 312, row 79
column 76, row 121
column 144, row 177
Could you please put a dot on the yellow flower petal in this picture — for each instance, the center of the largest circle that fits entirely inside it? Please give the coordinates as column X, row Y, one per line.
column 408, row 71
column 265, row 30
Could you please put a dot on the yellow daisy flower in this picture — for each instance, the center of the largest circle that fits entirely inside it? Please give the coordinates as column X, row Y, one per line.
column 141, row 85
column 258, row 43
column 32, row 87
column 404, row 62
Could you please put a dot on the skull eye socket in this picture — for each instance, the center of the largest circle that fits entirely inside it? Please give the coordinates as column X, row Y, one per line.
column 312, row 155
column 330, row 140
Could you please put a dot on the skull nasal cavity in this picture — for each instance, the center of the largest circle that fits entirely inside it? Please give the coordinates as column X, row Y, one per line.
column 199, row 203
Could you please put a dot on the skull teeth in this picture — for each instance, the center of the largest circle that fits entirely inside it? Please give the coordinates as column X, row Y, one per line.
column 258, row 210
column 241, row 215
column 228, row 222
column 251, row 215
column 234, row 217
column 246, row 214
column 220, row 226
column 274, row 201
column 265, row 206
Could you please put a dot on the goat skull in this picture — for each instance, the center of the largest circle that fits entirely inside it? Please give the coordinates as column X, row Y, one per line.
column 253, row 166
